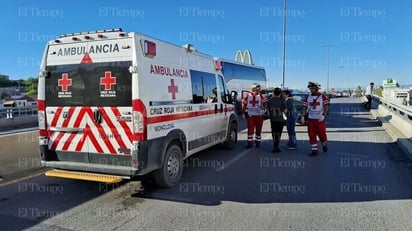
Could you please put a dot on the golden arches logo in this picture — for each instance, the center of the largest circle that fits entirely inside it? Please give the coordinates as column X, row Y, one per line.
column 243, row 55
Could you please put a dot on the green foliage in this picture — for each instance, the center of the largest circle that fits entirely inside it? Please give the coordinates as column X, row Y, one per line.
column 30, row 84
column 379, row 91
column 359, row 91
column 7, row 83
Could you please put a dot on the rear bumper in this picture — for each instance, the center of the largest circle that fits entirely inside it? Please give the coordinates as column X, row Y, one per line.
column 124, row 172
column 103, row 178
column 148, row 154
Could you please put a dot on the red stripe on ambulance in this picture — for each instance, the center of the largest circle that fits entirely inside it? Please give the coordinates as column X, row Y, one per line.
column 167, row 118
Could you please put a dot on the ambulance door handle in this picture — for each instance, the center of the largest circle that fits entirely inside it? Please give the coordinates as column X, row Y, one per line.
column 97, row 116
column 221, row 108
column 215, row 108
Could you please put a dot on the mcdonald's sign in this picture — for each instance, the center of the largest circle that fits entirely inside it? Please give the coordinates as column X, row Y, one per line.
column 243, row 55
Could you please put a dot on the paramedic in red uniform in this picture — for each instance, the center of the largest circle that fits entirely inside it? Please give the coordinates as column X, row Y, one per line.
column 315, row 107
column 253, row 103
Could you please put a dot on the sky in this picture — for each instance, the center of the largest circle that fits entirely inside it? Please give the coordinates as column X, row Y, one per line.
column 345, row 43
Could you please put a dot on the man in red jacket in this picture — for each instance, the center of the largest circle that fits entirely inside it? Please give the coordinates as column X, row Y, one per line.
column 316, row 107
column 254, row 103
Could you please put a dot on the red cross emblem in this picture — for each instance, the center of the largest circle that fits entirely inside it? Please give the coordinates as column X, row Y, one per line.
column 314, row 104
column 108, row 80
column 254, row 101
column 172, row 88
column 64, row 82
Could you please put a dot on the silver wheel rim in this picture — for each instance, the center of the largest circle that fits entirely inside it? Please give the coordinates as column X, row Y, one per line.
column 233, row 136
column 173, row 165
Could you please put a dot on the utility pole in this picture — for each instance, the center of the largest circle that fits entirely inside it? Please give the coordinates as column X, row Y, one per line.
column 341, row 77
column 328, row 46
column 284, row 44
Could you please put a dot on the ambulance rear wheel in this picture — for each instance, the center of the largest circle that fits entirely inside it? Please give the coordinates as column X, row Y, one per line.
column 170, row 173
column 231, row 138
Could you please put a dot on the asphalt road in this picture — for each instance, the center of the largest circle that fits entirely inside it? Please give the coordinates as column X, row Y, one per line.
column 364, row 182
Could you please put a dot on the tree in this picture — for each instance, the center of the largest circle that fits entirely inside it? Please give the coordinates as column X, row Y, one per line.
column 379, row 91
column 31, row 84
column 5, row 95
column 6, row 83
column 359, row 91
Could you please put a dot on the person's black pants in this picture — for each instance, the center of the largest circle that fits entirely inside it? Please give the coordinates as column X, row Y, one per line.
column 277, row 128
column 369, row 103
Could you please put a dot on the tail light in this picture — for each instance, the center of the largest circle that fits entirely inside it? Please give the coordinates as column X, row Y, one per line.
column 139, row 121
column 41, row 107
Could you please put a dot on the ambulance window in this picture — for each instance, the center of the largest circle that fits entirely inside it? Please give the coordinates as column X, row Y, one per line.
column 203, row 86
column 96, row 84
column 224, row 94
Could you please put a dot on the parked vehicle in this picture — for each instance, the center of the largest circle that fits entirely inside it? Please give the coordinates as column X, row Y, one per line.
column 298, row 97
column 240, row 76
column 299, row 108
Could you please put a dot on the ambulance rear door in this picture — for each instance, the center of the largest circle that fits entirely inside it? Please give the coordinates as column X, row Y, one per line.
column 89, row 101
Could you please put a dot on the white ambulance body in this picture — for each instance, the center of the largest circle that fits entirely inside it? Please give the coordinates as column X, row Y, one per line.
column 115, row 105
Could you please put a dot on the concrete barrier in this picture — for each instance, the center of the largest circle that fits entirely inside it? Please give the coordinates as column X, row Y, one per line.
column 396, row 126
column 18, row 122
column 19, row 153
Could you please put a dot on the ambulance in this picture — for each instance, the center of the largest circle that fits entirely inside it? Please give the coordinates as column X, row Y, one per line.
column 114, row 105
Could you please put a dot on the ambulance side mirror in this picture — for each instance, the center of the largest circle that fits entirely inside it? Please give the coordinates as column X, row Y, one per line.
column 233, row 96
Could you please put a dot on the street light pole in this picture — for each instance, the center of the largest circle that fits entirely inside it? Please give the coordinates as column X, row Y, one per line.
column 327, row 79
column 284, row 44
column 341, row 76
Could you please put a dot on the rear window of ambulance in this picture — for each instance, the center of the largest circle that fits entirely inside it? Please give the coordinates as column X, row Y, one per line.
column 96, row 84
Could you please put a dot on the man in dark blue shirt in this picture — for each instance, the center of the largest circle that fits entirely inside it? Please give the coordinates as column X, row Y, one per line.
column 277, row 108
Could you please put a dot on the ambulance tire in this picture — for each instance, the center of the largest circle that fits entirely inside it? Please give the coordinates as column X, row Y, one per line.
column 170, row 173
column 231, row 138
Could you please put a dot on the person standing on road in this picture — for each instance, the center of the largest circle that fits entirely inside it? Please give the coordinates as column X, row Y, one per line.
column 277, row 107
column 254, row 103
column 316, row 107
column 368, row 94
column 290, row 119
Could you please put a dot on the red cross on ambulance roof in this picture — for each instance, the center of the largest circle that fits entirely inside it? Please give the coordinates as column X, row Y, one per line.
column 172, row 88
column 108, row 80
column 64, row 82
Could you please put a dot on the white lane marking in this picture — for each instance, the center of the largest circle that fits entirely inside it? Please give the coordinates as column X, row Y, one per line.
column 236, row 158
column 351, row 154
column 233, row 160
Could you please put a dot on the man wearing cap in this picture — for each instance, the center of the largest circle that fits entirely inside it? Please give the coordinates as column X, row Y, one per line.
column 315, row 107
column 254, row 102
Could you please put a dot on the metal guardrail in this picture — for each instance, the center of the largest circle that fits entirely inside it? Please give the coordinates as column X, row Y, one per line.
column 396, row 107
column 8, row 113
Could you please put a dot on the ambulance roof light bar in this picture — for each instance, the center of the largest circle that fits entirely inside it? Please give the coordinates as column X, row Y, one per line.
column 189, row 48
column 92, row 32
